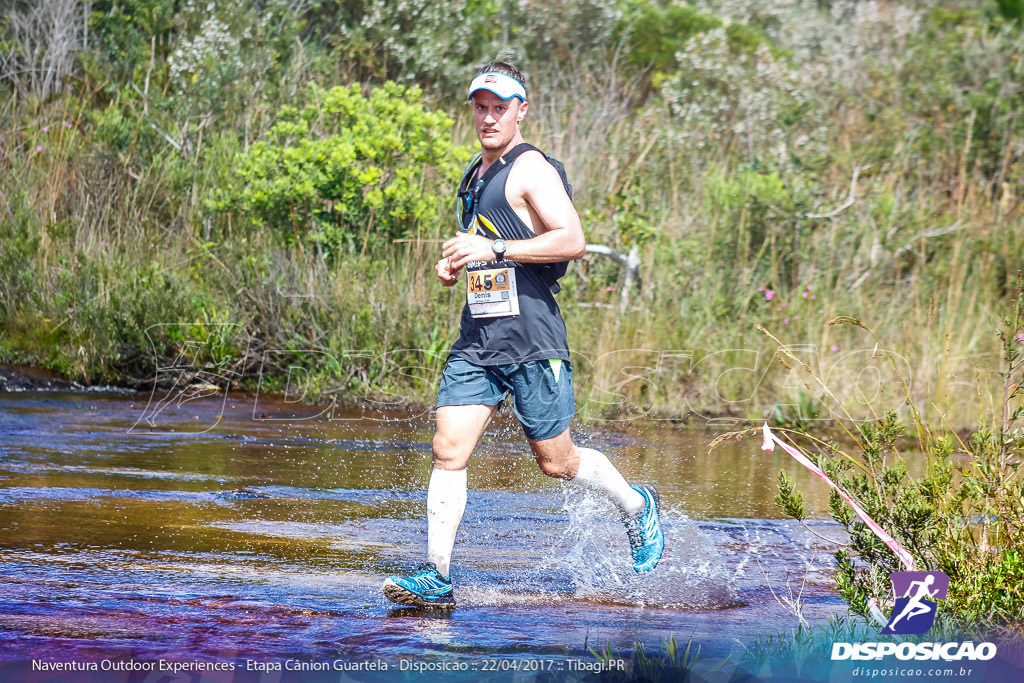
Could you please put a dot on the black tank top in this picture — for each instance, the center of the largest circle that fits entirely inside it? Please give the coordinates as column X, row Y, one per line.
column 538, row 332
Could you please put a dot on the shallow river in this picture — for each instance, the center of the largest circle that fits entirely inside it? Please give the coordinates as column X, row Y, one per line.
column 153, row 527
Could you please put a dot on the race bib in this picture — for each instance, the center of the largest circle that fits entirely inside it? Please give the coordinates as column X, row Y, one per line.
column 492, row 293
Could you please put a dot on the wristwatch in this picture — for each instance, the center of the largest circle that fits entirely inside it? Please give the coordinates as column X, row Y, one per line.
column 498, row 247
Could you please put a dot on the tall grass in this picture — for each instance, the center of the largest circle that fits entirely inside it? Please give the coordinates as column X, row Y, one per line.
column 926, row 265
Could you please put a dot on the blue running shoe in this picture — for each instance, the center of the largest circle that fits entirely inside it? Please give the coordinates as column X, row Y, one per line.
column 646, row 541
column 425, row 588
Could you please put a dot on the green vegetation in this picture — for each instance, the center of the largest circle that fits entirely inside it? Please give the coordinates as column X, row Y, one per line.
column 668, row 663
column 962, row 515
column 347, row 167
column 278, row 175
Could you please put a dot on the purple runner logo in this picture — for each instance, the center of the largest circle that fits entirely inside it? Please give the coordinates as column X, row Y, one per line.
column 914, row 613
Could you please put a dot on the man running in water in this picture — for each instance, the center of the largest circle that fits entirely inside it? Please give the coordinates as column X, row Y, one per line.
column 519, row 230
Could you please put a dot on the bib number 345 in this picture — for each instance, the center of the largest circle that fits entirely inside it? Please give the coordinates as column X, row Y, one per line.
column 492, row 293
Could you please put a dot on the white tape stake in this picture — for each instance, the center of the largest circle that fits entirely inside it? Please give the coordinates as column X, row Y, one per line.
column 876, row 613
column 769, row 445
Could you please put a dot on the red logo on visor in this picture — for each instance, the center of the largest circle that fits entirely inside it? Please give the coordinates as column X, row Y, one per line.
column 490, row 79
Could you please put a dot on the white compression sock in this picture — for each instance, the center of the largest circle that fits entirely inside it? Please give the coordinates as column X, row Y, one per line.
column 446, row 501
column 599, row 475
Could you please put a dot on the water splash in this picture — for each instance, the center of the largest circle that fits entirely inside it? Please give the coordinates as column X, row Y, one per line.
column 691, row 573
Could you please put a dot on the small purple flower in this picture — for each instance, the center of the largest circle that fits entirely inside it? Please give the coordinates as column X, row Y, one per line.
column 46, row 129
column 804, row 295
column 784, row 304
column 761, row 288
column 39, row 148
column 1020, row 338
column 769, row 294
column 834, row 347
column 785, row 321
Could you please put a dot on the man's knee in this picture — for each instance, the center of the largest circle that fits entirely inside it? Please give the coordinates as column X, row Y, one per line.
column 557, row 457
column 450, row 453
column 446, row 452
column 559, row 468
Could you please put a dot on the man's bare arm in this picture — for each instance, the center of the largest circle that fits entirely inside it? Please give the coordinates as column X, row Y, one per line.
column 554, row 218
column 538, row 188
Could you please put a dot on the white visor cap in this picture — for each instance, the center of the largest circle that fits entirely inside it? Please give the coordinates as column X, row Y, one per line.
column 501, row 85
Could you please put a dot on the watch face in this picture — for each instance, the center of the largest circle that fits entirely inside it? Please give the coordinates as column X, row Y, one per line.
column 498, row 247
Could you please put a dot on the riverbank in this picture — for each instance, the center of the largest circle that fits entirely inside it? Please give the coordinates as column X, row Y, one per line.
column 682, row 386
column 25, row 378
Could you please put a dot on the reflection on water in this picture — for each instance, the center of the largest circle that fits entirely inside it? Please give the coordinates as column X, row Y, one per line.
column 215, row 528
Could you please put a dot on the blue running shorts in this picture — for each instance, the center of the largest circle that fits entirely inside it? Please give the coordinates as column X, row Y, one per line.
column 541, row 390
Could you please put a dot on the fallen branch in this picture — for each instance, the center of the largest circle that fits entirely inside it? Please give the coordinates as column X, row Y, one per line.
column 850, row 199
column 174, row 143
column 632, row 263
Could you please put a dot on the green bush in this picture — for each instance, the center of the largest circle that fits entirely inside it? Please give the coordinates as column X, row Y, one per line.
column 348, row 168
column 656, row 34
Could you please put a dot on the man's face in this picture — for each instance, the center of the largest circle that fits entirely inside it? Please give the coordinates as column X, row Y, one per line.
column 496, row 120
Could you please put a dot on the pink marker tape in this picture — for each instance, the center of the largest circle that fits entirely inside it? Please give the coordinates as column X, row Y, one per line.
column 769, row 445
